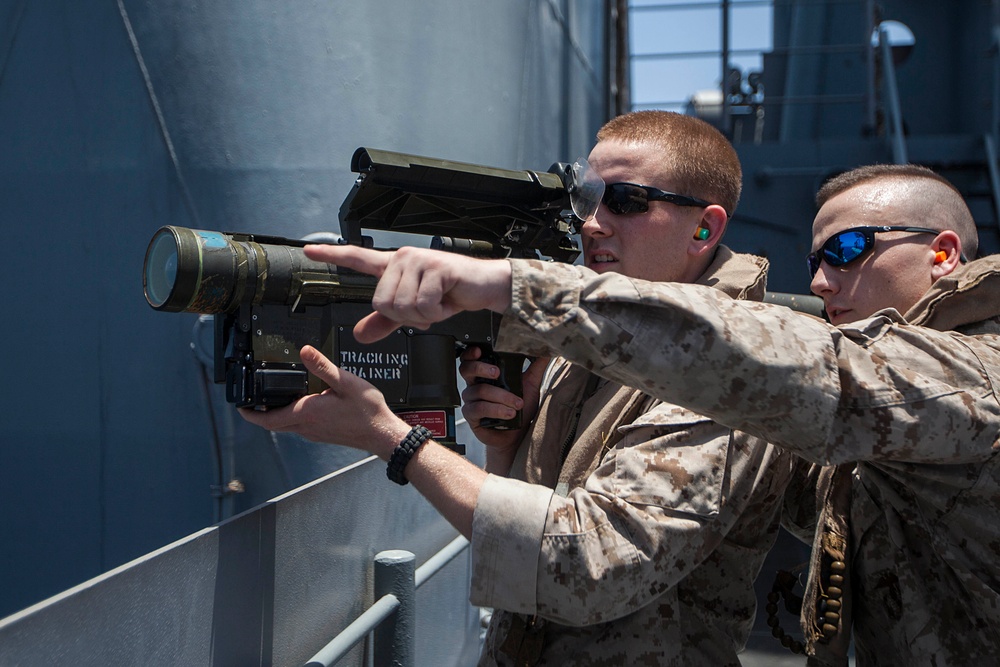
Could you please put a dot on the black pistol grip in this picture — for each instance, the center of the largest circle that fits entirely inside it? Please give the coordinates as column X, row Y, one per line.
column 510, row 366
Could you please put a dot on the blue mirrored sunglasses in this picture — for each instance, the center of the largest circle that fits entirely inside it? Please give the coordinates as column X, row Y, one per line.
column 846, row 246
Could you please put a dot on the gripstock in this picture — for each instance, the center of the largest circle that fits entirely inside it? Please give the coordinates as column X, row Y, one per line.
column 268, row 299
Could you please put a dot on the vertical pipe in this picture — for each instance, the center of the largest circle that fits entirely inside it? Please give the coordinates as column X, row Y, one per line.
column 395, row 637
column 894, row 112
column 567, row 77
column 991, row 168
column 724, row 6
column 995, row 52
column 870, row 65
column 610, row 57
column 623, row 55
column 994, row 134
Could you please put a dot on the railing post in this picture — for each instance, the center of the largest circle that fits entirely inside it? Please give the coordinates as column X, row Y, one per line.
column 394, row 638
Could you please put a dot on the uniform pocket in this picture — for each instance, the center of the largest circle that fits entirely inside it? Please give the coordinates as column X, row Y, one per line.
column 673, row 458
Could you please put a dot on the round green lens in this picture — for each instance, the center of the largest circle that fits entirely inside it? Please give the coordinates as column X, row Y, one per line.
column 161, row 268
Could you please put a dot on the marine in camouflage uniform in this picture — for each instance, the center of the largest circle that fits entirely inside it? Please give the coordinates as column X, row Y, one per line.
column 646, row 552
column 915, row 406
column 649, row 546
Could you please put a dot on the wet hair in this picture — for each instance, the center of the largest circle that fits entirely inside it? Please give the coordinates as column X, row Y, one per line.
column 936, row 203
column 699, row 158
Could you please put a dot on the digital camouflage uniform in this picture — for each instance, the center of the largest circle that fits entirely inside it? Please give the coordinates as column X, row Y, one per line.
column 916, row 406
column 647, row 551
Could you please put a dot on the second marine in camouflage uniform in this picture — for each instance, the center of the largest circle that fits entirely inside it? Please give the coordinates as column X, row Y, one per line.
column 916, row 407
column 647, row 551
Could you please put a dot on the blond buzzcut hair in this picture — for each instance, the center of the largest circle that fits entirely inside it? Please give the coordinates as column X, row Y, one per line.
column 699, row 157
column 936, row 203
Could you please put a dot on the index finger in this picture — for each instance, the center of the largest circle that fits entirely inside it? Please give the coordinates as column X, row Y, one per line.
column 365, row 260
column 374, row 327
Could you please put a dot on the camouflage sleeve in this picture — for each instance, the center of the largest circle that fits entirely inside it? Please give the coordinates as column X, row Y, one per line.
column 878, row 391
column 658, row 505
column 507, row 528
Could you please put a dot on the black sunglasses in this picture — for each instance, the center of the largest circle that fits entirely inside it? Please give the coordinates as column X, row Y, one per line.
column 626, row 198
column 846, row 246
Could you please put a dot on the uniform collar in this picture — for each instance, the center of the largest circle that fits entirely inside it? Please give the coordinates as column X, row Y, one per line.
column 969, row 294
column 738, row 275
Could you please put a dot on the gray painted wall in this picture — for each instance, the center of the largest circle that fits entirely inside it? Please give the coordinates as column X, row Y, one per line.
column 120, row 117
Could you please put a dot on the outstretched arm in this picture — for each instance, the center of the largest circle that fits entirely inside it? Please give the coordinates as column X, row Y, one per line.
column 917, row 394
column 418, row 287
column 759, row 368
